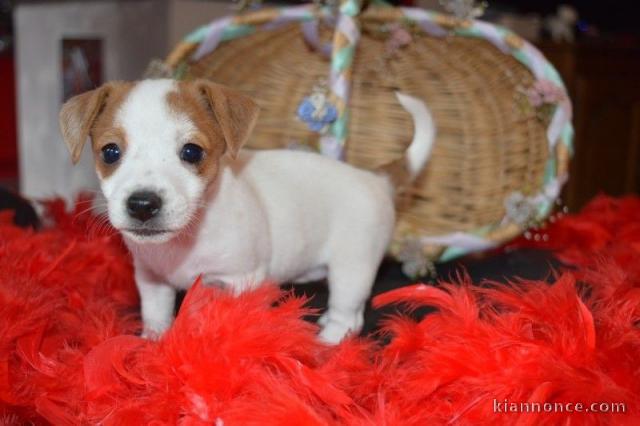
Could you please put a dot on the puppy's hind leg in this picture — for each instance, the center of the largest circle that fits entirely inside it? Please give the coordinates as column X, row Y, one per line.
column 349, row 288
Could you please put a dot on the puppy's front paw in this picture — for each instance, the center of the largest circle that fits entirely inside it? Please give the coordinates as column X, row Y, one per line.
column 333, row 332
column 323, row 320
column 150, row 335
column 336, row 324
column 153, row 333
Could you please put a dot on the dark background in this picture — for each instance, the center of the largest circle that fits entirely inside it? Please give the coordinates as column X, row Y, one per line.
column 610, row 16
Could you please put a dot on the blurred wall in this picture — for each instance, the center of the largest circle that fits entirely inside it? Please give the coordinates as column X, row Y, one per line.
column 133, row 32
column 187, row 15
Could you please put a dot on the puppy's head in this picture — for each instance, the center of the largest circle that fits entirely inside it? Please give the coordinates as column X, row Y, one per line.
column 157, row 145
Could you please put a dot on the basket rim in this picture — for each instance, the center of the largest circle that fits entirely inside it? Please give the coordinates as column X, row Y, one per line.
column 206, row 38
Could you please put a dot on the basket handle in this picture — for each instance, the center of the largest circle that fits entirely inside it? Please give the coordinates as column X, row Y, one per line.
column 311, row 34
column 352, row 8
column 345, row 40
column 310, row 29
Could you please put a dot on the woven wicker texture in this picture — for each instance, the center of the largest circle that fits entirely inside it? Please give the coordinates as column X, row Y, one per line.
column 487, row 146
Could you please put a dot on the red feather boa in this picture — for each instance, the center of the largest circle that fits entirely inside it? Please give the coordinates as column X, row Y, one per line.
column 69, row 354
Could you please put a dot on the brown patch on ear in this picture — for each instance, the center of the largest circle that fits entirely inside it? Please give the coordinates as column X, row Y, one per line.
column 77, row 117
column 91, row 114
column 234, row 112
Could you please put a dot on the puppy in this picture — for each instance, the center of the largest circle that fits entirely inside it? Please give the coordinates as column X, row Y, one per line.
column 190, row 203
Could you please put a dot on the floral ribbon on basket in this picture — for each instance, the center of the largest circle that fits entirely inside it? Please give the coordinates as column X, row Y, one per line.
column 345, row 39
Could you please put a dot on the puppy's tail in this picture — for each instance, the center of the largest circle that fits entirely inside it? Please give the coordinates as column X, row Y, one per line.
column 424, row 134
column 404, row 170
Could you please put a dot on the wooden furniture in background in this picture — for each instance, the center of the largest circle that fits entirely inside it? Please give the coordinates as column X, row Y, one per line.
column 604, row 82
column 8, row 149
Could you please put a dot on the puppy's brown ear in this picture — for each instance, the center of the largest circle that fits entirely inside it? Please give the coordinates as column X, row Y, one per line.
column 235, row 113
column 77, row 117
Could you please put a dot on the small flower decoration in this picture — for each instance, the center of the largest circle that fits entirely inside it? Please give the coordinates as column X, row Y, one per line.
column 399, row 37
column 316, row 111
column 543, row 97
column 544, row 92
column 396, row 36
column 521, row 209
column 414, row 261
column 464, row 9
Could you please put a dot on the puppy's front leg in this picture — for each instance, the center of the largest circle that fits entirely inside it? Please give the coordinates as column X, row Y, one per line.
column 157, row 302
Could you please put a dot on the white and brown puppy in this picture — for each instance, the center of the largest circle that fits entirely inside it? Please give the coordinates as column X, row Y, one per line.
column 188, row 202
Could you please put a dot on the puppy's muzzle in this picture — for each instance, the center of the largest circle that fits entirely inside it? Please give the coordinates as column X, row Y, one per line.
column 144, row 205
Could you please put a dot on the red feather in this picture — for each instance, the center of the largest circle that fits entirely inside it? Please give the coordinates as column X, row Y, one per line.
column 69, row 353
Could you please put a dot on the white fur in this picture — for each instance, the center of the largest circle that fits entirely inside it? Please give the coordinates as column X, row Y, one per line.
column 275, row 215
column 424, row 133
column 155, row 136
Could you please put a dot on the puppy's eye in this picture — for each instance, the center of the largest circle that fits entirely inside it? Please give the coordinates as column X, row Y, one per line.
column 191, row 153
column 110, row 153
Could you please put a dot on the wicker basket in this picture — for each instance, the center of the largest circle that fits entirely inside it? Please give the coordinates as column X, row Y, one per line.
column 500, row 155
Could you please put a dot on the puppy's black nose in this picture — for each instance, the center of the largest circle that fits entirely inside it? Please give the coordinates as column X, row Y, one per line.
column 143, row 205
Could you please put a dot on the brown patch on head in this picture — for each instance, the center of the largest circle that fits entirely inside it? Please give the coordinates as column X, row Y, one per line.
column 105, row 131
column 186, row 101
column 223, row 118
column 93, row 114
